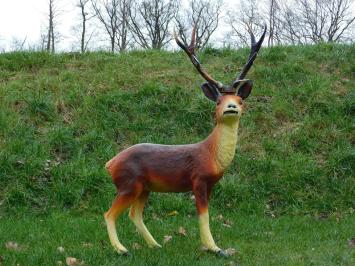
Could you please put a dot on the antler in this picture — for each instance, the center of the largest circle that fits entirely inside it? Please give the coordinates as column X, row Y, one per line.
column 190, row 51
column 255, row 47
column 217, row 86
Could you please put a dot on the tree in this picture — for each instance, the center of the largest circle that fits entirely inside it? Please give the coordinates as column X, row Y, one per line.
column 246, row 17
column 273, row 11
column 18, row 44
column 114, row 15
column 150, row 22
column 85, row 17
column 122, row 38
column 315, row 21
column 107, row 13
column 205, row 14
column 50, row 35
column 291, row 30
column 339, row 20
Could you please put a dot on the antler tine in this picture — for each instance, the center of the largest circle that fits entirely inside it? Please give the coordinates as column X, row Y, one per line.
column 190, row 51
column 255, row 47
column 252, row 37
column 193, row 38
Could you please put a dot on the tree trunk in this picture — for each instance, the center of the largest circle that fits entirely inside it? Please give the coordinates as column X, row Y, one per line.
column 112, row 44
column 83, row 30
column 50, row 22
column 52, row 39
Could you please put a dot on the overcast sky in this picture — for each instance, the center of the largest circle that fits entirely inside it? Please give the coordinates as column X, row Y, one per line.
column 22, row 19
column 25, row 19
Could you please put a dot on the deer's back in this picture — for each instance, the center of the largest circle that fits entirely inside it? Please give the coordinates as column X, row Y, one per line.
column 160, row 167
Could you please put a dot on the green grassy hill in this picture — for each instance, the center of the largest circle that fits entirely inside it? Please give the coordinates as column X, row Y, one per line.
column 63, row 116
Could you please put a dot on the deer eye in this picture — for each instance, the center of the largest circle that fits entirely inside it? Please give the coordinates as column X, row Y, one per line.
column 218, row 102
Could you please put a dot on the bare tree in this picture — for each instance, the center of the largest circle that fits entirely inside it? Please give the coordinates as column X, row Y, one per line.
column 85, row 17
column 114, row 15
column 205, row 14
column 291, row 29
column 107, row 13
column 245, row 19
column 150, row 21
column 18, row 44
column 50, row 35
column 273, row 11
column 42, row 41
column 314, row 21
column 122, row 38
column 340, row 20
column 313, row 16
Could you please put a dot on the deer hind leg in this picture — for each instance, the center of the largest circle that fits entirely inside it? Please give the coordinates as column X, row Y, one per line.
column 135, row 214
column 122, row 201
column 202, row 193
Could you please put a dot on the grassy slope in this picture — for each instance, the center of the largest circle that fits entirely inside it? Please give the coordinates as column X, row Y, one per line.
column 63, row 116
column 296, row 141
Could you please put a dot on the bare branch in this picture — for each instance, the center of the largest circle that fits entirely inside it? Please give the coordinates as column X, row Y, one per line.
column 203, row 13
column 114, row 16
column 246, row 16
column 150, row 22
column 315, row 21
column 82, row 4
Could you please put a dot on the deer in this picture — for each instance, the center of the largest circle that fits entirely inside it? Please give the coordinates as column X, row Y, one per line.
column 144, row 168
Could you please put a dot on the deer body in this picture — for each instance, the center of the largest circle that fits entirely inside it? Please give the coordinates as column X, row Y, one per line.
column 174, row 168
column 145, row 168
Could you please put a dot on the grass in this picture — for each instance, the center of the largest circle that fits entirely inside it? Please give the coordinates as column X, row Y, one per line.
column 258, row 240
column 63, row 116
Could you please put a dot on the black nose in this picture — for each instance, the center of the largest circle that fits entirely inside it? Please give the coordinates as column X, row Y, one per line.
column 232, row 106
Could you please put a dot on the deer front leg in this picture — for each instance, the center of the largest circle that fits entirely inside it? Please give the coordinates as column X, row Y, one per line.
column 202, row 193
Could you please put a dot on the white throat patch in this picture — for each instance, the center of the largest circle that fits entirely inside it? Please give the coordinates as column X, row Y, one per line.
column 226, row 144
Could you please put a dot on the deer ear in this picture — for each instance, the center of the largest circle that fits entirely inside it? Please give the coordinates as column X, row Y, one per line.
column 210, row 91
column 244, row 88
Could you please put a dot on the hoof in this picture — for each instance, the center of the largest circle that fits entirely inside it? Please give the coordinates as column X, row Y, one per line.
column 154, row 246
column 125, row 254
column 221, row 253
column 122, row 252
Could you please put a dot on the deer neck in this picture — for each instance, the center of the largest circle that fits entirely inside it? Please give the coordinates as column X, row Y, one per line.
column 222, row 143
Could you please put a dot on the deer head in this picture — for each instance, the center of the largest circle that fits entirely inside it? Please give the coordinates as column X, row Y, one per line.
column 229, row 98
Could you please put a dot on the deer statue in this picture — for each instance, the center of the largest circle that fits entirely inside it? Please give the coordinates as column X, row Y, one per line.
column 145, row 168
